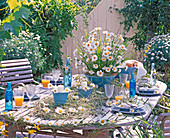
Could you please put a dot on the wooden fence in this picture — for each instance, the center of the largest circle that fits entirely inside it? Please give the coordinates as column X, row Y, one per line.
column 103, row 16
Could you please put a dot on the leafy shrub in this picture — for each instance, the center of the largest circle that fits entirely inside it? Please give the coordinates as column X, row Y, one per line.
column 25, row 46
column 157, row 51
column 53, row 21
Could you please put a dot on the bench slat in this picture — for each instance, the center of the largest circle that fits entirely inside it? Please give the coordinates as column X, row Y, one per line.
column 17, row 77
column 13, row 61
column 15, row 68
column 19, row 81
column 16, row 64
column 17, row 72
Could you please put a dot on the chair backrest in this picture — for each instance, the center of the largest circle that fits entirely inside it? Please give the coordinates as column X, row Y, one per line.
column 15, row 71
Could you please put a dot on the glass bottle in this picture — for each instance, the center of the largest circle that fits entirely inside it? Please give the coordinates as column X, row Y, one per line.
column 132, row 88
column 152, row 73
column 8, row 97
column 68, row 74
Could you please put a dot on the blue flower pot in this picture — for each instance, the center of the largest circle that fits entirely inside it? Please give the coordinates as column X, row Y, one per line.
column 85, row 94
column 128, row 71
column 101, row 81
column 60, row 98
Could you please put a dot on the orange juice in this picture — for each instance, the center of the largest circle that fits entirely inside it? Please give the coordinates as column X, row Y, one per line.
column 127, row 84
column 45, row 83
column 118, row 98
column 19, row 100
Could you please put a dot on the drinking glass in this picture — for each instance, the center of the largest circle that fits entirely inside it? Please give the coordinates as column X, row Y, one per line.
column 18, row 96
column 123, row 79
column 109, row 88
column 30, row 90
column 56, row 74
column 45, row 78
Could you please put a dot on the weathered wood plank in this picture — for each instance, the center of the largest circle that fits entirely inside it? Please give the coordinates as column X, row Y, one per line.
column 14, row 61
column 17, row 72
column 16, row 64
column 19, row 81
column 17, row 77
column 15, row 68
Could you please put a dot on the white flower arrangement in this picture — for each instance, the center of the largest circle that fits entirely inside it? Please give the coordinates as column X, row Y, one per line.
column 101, row 53
column 61, row 89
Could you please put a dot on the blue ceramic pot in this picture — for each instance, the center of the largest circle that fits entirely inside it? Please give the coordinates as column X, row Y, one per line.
column 60, row 98
column 100, row 81
column 128, row 71
column 85, row 94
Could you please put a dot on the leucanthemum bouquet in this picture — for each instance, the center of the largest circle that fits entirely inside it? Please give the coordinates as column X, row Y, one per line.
column 100, row 53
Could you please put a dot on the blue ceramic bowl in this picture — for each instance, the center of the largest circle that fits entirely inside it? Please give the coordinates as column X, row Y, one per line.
column 128, row 71
column 85, row 94
column 100, row 81
column 60, row 98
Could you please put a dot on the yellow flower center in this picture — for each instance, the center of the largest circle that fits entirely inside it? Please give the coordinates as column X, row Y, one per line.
column 115, row 52
column 108, row 69
column 96, row 44
column 122, row 47
column 62, row 124
column 121, row 105
column 38, row 122
column 111, row 121
column 109, row 103
column 91, row 49
column 100, row 73
column 102, row 121
column 46, row 110
column 75, row 122
column 66, row 67
column 60, row 111
column 110, row 57
column 72, row 110
column 108, row 48
column 27, row 119
column 55, row 90
column 1, row 123
column 105, row 53
column 82, row 110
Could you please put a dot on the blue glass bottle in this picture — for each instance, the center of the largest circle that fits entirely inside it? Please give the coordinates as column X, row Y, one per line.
column 8, row 97
column 68, row 74
column 132, row 88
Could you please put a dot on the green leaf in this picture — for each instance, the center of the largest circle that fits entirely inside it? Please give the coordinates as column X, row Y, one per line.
column 7, row 27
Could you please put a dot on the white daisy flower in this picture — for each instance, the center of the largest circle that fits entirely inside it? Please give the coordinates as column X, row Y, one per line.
column 84, row 43
column 95, row 66
column 110, row 58
column 94, row 34
column 90, row 50
column 100, row 73
column 102, row 121
column 114, row 69
column 76, row 65
column 107, row 69
column 103, row 59
column 94, row 58
column 96, row 43
column 119, row 114
column 108, row 39
column 38, row 121
column 111, row 121
column 55, row 90
column 85, row 88
column 109, row 103
column 82, row 109
column 72, row 110
column 75, row 52
column 75, row 97
column 67, row 89
column 108, row 34
column 131, row 110
column 105, row 53
column 88, row 45
column 91, row 72
column 105, row 32
column 94, row 39
column 115, row 52
column 119, row 57
column 50, row 85
column 121, row 38
column 76, row 122
column 60, row 124
column 87, row 60
column 108, row 48
column 47, row 110
column 98, row 28
column 110, row 66
column 27, row 119
column 50, row 123
column 122, row 47
column 59, row 110
column 109, row 44
column 84, row 69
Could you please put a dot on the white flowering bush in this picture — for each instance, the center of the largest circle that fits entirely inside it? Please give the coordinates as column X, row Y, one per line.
column 26, row 45
column 100, row 53
column 157, row 51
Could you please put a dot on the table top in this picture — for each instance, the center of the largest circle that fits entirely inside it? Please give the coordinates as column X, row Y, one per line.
column 88, row 122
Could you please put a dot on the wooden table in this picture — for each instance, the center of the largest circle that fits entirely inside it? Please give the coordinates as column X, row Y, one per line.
column 88, row 128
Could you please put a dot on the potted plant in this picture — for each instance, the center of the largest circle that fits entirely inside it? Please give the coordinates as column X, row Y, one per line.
column 99, row 55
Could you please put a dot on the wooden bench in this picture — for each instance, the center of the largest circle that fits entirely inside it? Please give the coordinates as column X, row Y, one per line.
column 15, row 71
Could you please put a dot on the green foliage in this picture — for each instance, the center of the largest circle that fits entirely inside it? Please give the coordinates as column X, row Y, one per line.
column 4, row 12
column 53, row 21
column 157, row 51
column 151, row 16
column 88, row 4
column 25, row 46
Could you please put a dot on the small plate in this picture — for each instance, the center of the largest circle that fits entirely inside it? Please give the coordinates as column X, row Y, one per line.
column 147, row 92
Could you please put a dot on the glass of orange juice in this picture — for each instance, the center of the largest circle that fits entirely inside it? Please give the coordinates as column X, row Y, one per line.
column 18, row 96
column 45, row 79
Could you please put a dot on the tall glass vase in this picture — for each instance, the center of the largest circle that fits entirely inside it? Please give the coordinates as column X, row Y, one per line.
column 68, row 74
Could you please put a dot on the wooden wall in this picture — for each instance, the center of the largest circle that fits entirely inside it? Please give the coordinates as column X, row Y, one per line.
column 102, row 16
